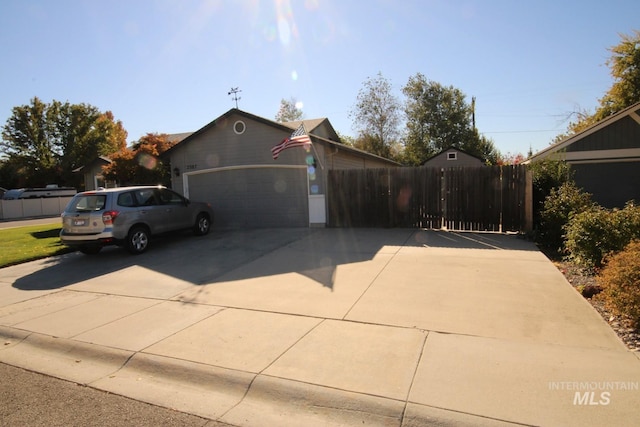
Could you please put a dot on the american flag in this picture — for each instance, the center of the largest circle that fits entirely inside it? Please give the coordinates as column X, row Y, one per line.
column 298, row 138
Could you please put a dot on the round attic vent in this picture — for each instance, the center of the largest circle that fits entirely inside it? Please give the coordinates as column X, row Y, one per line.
column 239, row 127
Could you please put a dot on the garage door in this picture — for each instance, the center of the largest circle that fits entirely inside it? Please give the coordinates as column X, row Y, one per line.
column 254, row 197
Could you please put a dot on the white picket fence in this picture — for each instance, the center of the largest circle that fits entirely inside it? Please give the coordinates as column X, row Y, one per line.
column 29, row 208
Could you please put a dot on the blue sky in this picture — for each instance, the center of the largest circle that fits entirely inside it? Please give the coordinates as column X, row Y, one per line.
column 167, row 65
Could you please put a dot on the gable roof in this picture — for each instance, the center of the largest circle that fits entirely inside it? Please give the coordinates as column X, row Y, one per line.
column 104, row 160
column 452, row 147
column 631, row 111
column 286, row 127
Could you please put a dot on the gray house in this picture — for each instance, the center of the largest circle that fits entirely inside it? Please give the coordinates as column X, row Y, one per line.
column 453, row 157
column 229, row 163
column 92, row 174
column 604, row 157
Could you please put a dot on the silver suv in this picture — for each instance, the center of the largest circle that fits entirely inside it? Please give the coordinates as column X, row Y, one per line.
column 129, row 216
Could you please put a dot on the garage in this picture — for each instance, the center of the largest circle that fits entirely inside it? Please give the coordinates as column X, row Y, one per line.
column 246, row 197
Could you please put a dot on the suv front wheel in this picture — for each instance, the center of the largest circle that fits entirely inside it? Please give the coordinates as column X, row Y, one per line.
column 202, row 225
column 137, row 240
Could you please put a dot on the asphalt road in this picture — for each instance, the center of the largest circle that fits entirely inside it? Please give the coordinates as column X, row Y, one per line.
column 32, row 399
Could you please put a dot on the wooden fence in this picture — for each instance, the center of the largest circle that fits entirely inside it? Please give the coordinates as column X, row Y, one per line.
column 492, row 198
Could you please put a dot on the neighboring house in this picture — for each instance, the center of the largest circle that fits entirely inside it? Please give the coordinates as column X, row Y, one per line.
column 453, row 157
column 229, row 164
column 92, row 174
column 604, row 157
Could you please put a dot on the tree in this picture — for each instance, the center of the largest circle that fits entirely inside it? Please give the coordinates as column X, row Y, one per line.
column 376, row 116
column 289, row 111
column 438, row 117
column 46, row 142
column 28, row 142
column 141, row 164
column 625, row 70
column 624, row 63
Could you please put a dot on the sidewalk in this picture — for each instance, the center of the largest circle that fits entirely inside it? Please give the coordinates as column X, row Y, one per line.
column 326, row 327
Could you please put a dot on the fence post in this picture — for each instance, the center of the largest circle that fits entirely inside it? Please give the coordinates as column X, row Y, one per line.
column 528, row 201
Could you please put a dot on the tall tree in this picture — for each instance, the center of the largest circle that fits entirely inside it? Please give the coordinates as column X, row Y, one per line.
column 47, row 141
column 376, row 116
column 289, row 111
column 439, row 117
column 28, row 141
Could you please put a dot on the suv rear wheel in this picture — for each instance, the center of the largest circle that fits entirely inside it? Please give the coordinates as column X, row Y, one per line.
column 137, row 240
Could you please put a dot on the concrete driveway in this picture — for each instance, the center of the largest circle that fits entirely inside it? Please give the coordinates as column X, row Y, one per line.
column 326, row 327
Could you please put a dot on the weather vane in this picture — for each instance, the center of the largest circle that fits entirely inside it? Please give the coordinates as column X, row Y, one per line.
column 234, row 91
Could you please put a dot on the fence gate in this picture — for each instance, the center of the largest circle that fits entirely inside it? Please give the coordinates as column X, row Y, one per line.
column 490, row 198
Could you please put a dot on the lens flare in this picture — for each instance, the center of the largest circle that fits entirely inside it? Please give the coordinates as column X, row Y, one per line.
column 147, row 161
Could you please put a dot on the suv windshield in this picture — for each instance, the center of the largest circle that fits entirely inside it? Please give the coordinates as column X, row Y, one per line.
column 87, row 203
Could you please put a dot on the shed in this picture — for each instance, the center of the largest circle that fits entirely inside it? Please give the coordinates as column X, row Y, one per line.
column 92, row 174
column 453, row 157
column 229, row 163
column 605, row 157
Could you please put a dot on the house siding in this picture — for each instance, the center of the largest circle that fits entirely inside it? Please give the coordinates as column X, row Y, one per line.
column 625, row 133
column 610, row 184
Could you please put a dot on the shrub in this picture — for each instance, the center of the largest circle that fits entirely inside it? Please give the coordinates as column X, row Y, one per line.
column 558, row 208
column 593, row 234
column 547, row 174
column 620, row 282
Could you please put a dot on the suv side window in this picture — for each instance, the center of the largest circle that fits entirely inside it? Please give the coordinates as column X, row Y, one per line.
column 146, row 197
column 168, row 197
column 126, row 200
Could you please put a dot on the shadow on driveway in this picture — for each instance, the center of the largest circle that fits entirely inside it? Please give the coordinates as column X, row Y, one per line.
column 314, row 253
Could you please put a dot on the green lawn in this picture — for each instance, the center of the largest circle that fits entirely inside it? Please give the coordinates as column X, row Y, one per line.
column 24, row 244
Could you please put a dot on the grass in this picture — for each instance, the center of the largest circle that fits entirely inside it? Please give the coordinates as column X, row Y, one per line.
column 22, row 244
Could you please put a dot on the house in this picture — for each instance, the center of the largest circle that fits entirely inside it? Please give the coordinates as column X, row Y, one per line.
column 229, row 163
column 92, row 174
column 453, row 157
column 605, row 158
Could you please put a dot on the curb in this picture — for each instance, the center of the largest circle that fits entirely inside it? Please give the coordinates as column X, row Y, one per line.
column 226, row 395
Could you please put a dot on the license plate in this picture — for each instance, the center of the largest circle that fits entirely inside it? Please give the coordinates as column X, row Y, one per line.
column 79, row 222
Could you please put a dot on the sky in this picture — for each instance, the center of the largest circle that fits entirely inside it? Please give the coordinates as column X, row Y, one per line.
column 168, row 66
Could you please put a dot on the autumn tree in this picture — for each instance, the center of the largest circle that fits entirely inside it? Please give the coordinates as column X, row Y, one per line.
column 376, row 116
column 45, row 142
column 141, row 164
column 439, row 117
column 289, row 111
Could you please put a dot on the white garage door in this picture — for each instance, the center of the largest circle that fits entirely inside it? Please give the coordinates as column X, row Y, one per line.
column 254, row 197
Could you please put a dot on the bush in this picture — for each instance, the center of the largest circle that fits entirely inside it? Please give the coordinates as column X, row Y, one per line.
column 547, row 174
column 558, row 208
column 620, row 282
column 593, row 234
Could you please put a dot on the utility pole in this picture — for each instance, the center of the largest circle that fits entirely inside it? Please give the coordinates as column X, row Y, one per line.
column 473, row 111
column 234, row 91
